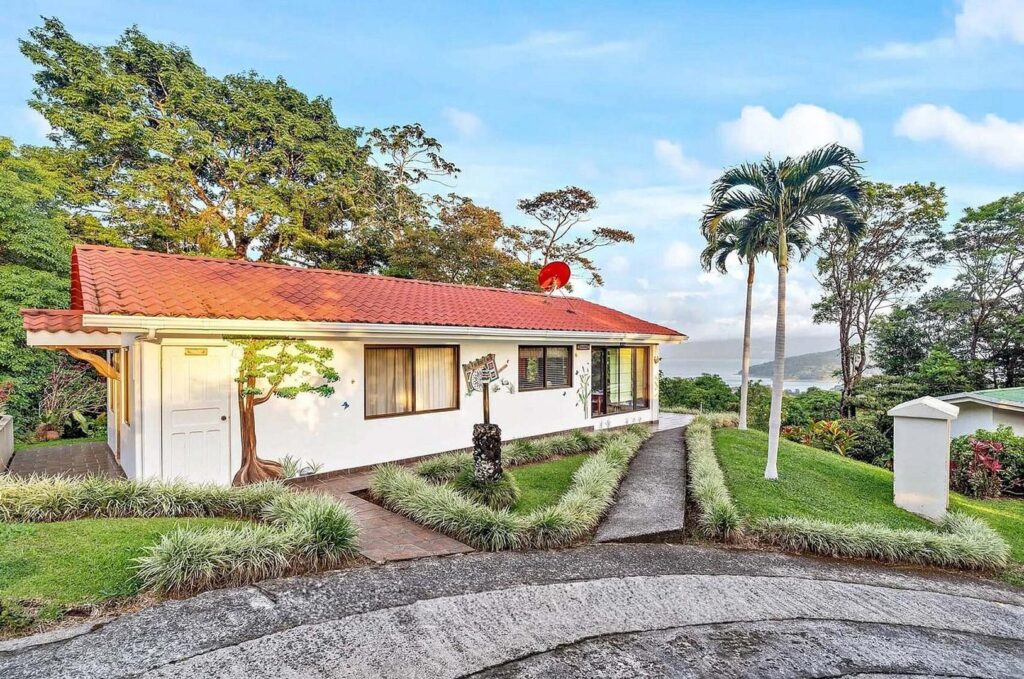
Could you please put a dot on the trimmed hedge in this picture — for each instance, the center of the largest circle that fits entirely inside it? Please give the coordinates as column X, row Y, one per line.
column 719, row 517
column 413, row 494
column 294, row 532
column 960, row 541
column 62, row 498
column 447, row 466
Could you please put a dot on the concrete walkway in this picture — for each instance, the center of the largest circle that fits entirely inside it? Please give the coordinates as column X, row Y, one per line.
column 606, row 610
column 384, row 535
column 651, row 502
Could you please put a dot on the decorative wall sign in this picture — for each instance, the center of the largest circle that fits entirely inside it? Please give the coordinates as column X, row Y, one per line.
column 582, row 347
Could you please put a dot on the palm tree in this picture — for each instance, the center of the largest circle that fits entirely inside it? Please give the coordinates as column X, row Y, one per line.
column 791, row 195
column 748, row 239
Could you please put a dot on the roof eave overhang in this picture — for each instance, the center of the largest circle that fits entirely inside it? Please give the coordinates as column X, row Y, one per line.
column 323, row 329
column 60, row 339
column 980, row 400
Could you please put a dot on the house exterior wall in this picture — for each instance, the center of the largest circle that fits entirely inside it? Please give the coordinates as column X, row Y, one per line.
column 1009, row 418
column 333, row 431
column 973, row 416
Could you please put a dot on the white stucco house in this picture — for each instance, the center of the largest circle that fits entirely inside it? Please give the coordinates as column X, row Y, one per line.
column 988, row 409
column 159, row 328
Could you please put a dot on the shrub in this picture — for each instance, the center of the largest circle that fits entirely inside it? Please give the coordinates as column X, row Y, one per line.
column 719, row 517
column 976, row 472
column 870, row 444
column 832, row 436
column 501, row 493
column 302, row 532
column 961, row 541
column 1010, row 458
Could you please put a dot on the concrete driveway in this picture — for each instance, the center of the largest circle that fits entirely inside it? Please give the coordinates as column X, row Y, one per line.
column 608, row 610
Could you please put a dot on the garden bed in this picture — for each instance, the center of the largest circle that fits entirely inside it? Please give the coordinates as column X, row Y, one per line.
column 828, row 504
column 424, row 494
column 166, row 538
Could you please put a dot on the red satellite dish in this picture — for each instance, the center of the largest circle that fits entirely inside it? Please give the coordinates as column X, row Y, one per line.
column 553, row 276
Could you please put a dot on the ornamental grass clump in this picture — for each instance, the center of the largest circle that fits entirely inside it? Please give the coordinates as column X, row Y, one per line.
column 500, row 493
column 63, row 498
column 301, row 532
column 445, row 509
column 719, row 517
column 961, row 541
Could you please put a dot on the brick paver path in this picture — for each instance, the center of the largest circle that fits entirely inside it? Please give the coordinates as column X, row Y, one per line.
column 72, row 459
column 384, row 535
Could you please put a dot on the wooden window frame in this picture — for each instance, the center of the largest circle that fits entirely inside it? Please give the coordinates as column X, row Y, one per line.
column 412, row 348
column 647, row 368
column 544, row 366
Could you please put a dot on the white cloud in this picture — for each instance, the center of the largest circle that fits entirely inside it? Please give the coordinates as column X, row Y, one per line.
column 651, row 206
column 992, row 139
column 39, row 125
column 990, row 20
column 800, row 129
column 562, row 45
column 467, row 125
column 977, row 21
column 679, row 255
column 671, row 155
column 617, row 264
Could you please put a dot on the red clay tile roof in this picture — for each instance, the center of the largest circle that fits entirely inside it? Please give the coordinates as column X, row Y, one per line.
column 140, row 283
column 54, row 320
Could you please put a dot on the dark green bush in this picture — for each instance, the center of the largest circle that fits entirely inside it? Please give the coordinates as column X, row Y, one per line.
column 707, row 392
column 870, row 445
column 499, row 494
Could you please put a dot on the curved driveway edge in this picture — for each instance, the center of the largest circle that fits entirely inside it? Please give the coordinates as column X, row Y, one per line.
column 456, row 615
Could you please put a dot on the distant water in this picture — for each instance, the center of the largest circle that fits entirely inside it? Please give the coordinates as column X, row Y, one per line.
column 729, row 370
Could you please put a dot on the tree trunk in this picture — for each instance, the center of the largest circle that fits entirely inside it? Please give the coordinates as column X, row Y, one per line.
column 486, row 452
column 253, row 469
column 745, row 364
column 771, row 470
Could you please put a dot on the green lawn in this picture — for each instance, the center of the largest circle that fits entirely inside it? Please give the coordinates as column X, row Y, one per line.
column 818, row 484
column 77, row 562
column 542, row 484
column 59, row 442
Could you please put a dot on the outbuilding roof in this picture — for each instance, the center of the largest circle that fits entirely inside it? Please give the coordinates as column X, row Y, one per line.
column 1012, row 397
column 126, row 282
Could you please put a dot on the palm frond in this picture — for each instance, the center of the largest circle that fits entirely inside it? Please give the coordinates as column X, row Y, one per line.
column 799, row 170
column 743, row 175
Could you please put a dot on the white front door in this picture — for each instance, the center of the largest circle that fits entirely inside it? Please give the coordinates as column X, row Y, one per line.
column 196, row 400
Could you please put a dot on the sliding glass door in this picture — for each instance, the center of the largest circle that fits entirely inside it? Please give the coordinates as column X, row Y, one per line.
column 620, row 379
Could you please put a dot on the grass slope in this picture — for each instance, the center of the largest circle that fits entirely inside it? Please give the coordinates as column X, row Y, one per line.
column 78, row 562
column 812, row 483
column 543, row 484
column 816, row 484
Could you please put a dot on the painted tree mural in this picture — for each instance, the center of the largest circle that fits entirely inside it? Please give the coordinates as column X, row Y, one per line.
column 275, row 367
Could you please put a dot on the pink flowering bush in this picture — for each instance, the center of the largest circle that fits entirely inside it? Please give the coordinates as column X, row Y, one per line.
column 975, row 471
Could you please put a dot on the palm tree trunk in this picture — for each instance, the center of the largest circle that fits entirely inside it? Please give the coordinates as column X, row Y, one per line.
column 745, row 366
column 771, row 470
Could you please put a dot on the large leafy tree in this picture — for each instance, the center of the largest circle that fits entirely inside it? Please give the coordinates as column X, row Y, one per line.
column 793, row 194
column 893, row 258
column 463, row 243
column 174, row 159
column 34, row 269
column 746, row 240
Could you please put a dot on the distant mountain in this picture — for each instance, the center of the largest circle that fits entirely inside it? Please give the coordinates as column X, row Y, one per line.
column 819, row 366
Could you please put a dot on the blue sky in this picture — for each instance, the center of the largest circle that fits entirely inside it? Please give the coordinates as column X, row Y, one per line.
column 641, row 102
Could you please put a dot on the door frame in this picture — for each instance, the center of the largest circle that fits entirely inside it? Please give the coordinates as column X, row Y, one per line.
column 234, row 460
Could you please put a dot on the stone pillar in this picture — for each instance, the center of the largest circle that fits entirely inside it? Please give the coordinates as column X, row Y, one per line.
column 486, row 452
column 921, row 455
